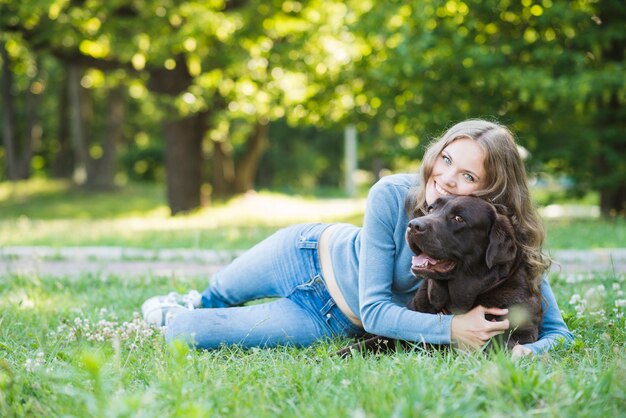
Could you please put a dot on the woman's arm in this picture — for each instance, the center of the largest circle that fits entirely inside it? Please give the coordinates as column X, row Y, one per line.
column 553, row 329
column 381, row 244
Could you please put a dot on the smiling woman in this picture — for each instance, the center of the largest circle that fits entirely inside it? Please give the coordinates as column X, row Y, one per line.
column 342, row 280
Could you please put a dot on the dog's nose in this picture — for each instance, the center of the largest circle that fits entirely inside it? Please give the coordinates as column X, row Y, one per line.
column 416, row 225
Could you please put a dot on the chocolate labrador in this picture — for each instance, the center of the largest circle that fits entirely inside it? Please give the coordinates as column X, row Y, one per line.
column 466, row 252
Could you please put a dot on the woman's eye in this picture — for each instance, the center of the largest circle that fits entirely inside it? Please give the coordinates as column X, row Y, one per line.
column 459, row 219
column 446, row 159
column 469, row 177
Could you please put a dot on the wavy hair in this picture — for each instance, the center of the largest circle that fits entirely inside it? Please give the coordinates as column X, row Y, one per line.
column 506, row 180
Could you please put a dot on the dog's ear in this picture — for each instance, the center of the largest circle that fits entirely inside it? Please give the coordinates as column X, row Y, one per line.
column 502, row 248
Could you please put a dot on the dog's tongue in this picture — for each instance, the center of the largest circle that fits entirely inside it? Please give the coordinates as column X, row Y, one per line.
column 423, row 261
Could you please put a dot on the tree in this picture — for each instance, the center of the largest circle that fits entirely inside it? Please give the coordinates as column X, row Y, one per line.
column 552, row 70
column 19, row 138
column 199, row 59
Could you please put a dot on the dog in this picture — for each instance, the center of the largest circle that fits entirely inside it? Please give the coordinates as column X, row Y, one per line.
column 467, row 254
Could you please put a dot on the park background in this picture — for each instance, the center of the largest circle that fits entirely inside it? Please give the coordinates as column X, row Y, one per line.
column 239, row 117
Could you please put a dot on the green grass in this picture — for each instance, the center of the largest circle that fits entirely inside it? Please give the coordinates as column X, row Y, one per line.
column 54, row 199
column 585, row 233
column 72, row 346
column 54, row 214
column 136, row 216
column 52, row 363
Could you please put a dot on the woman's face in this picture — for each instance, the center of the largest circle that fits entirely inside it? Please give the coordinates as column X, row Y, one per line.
column 458, row 170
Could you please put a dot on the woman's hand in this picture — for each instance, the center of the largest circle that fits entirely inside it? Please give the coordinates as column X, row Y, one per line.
column 473, row 330
column 519, row 351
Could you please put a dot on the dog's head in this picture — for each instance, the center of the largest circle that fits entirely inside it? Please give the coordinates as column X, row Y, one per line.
column 462, row 237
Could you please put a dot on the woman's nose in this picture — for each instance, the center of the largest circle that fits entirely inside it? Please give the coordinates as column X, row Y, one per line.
column 448, row 178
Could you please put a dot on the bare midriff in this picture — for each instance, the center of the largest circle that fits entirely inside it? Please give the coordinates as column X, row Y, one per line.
column 329, row 276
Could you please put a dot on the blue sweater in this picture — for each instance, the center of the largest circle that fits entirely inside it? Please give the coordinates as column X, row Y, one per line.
column 372, row 269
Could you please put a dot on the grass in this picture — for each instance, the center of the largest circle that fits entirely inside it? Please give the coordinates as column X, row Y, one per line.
column 55, row 214
column 70, row 347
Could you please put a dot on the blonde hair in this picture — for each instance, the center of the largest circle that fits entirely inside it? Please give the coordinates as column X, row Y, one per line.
column 506, row 184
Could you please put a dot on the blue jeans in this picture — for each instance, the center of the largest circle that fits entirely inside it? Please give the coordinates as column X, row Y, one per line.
column 285, row 266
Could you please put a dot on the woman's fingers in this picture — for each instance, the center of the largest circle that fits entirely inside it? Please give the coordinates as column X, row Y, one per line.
column 495, row 311
column 500, row 326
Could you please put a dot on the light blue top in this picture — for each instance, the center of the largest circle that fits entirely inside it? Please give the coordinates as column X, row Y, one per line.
column 378, row 289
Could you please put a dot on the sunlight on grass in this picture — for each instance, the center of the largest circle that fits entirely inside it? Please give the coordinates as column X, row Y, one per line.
column 35, row 301
column 27, row 189
column 570, row 211
column 234, row 224
column 50, row 213
column 262, row 209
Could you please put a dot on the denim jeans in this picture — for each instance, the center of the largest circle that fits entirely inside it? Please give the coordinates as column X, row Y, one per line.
column 284, row 266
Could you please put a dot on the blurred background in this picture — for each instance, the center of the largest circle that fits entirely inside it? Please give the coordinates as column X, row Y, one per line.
column 187, row 103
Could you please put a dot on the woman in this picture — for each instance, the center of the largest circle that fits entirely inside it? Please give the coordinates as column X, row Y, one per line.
column 341, row 280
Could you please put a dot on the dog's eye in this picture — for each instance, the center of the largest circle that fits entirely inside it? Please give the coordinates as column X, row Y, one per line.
column 430, row 209
column 459, row 219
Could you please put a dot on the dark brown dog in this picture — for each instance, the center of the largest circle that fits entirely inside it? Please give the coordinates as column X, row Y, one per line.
column 466, row 251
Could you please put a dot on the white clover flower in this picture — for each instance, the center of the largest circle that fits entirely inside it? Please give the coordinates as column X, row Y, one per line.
column 30, row 365
column 620, row 303
column 107, row 329
column 575, row 299
column 600, row 313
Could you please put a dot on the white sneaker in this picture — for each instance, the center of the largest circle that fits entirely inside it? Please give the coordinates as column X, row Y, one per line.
column 160, row 310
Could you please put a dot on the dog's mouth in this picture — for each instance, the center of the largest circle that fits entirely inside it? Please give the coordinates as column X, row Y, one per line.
column 423, row 263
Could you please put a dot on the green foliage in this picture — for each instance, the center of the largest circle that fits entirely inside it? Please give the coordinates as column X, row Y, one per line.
column 312, row 153
column 401, row 71
column 72, row 347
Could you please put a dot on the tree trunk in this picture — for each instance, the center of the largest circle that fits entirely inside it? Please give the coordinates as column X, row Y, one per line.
column 223, row 169
column 611, row 125
column 76, row 123
column 8, row 116
column 248, row 164
column 183, row 162
column 613, row 202
column 112, row 137
column 63, row 163
column 33, row 133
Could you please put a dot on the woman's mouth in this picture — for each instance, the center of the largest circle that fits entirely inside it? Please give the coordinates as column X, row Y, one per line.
column 439, row 190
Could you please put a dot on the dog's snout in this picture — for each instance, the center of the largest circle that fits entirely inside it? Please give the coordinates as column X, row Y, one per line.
column 417, row 225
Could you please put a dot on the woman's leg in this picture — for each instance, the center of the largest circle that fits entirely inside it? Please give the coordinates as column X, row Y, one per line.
column 285, row 265
column 269, row 269
column 280, row 322
column 272, row 268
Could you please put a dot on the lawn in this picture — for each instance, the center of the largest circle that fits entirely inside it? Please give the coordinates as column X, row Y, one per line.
column 73, row 346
